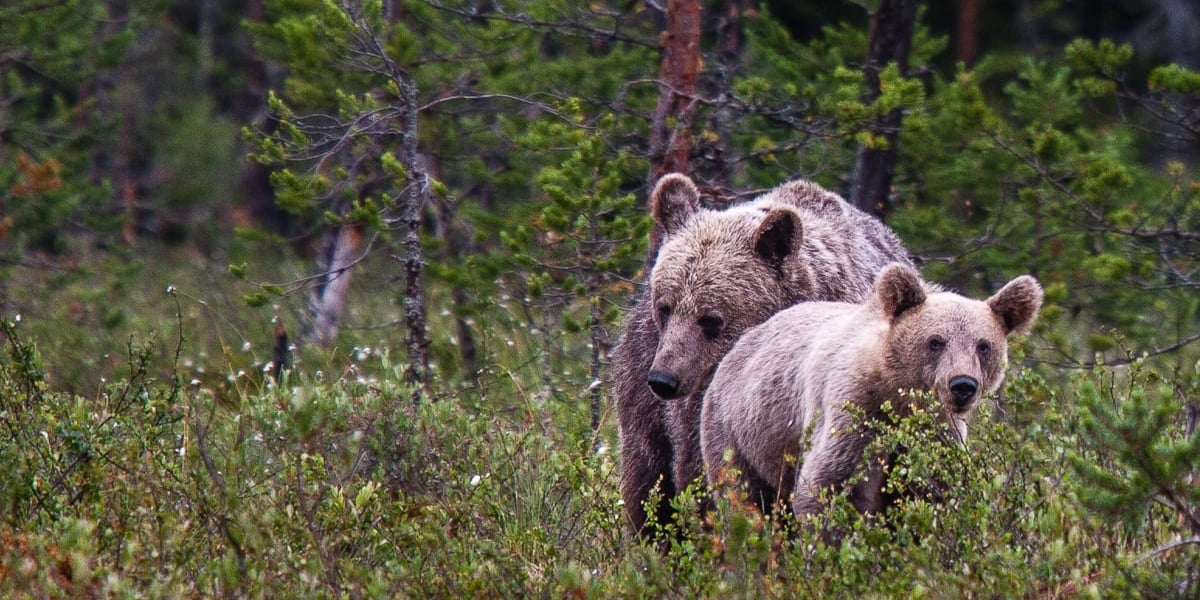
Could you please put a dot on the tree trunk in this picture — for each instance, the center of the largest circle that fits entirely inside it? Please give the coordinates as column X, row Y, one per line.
column 1183, row 39
column 455, row 238
column 280, row 352
column 123, row 163
column 256, row 199
column 967, row 45
column 891, row 39
column 329, row 298
column 595, row 325
column 411, row 204
column 115, row 93
column 729, row 55
column 670, row 130
column 205, row 33
column 417, row 372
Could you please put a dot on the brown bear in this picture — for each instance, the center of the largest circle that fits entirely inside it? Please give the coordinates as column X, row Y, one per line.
column 785, row 390
column 717, row 274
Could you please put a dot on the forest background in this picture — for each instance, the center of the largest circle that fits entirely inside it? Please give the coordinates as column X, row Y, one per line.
column 314, row 297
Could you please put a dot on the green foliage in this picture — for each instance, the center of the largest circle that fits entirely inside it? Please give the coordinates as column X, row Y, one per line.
column 1136, row 464
column 581, row 236
column 337, row 486
column 310, row 36
column 102, row 129
column 584, row 230
column 169, row 463
column 1174, row 78
column 807, row 113
column 201, row 476
column 56, row 50
column 1034, row 181
column 336, row 167
column 1136, row 449
column 198, row 155
column 303, row 485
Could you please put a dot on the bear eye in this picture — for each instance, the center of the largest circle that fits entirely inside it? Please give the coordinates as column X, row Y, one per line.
column 984, row 349
column 936, row 344
column 711, row 326
column 664, row 314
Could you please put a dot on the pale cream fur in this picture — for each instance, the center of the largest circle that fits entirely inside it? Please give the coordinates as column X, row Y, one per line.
column 784, row 389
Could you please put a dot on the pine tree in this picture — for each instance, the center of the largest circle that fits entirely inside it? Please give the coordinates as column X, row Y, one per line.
column 358, row 161
column 583, row 232
column 52, row 56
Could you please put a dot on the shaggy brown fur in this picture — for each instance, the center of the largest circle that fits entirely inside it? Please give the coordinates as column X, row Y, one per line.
column 718, row 274
column 790, row 380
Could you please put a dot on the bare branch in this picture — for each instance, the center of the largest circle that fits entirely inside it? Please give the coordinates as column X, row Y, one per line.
column 521, row 100
column 578, row 27
column 1129, row 358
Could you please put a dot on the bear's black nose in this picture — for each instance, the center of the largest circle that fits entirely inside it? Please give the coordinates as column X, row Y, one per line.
column 963, row 389
column 664, row 384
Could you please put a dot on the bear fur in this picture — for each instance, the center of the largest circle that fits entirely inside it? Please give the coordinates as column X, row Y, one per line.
column 792, row 380
column 717, row 274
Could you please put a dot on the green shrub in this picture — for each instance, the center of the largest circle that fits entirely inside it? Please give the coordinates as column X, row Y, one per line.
column 164, row 481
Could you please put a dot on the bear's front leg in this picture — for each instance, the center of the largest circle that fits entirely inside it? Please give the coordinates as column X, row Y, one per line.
column 646, row 454
column 684, row 416
column 831, row 460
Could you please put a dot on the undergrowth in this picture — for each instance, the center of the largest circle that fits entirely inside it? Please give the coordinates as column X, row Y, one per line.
column 161, row 482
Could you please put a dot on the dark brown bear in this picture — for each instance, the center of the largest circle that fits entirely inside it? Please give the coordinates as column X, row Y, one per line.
column 717, row 274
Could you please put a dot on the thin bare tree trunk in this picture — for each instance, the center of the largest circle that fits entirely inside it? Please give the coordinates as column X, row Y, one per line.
column 417, row 372
column 123, row 170
column 596, row 325
column 205, row 28
column 891, row 39
column 1183, row 20
column 671, row 129
column 115, row 97
column 729, row 48
column 256, row 200
column 967, row 46
column 412, row 207
column 329, row 298
column 455, row 239
column 280, row 352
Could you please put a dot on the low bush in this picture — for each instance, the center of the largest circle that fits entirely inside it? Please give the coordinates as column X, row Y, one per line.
column 338, row 486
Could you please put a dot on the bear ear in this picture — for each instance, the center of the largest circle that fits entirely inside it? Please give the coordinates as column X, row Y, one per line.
column 1017, row 304
column 899, row 289
column 673, row 201
column 778, row 236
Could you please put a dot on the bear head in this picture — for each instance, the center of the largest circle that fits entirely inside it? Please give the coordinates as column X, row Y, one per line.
column 718, row 273
column 940, row 342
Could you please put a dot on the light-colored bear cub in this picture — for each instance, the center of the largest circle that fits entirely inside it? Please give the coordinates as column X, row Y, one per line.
column 792, row 380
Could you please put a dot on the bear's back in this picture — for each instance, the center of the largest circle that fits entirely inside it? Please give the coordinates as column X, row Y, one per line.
column 844, row 247
column 788, row 356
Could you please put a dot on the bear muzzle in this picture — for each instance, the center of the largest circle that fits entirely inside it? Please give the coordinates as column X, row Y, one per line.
column 963, row 389
column 664, row 385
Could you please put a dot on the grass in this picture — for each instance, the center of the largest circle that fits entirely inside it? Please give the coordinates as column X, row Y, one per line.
column 136, row 466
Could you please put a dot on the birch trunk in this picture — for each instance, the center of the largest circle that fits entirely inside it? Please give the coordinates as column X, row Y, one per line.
column 329, row 298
